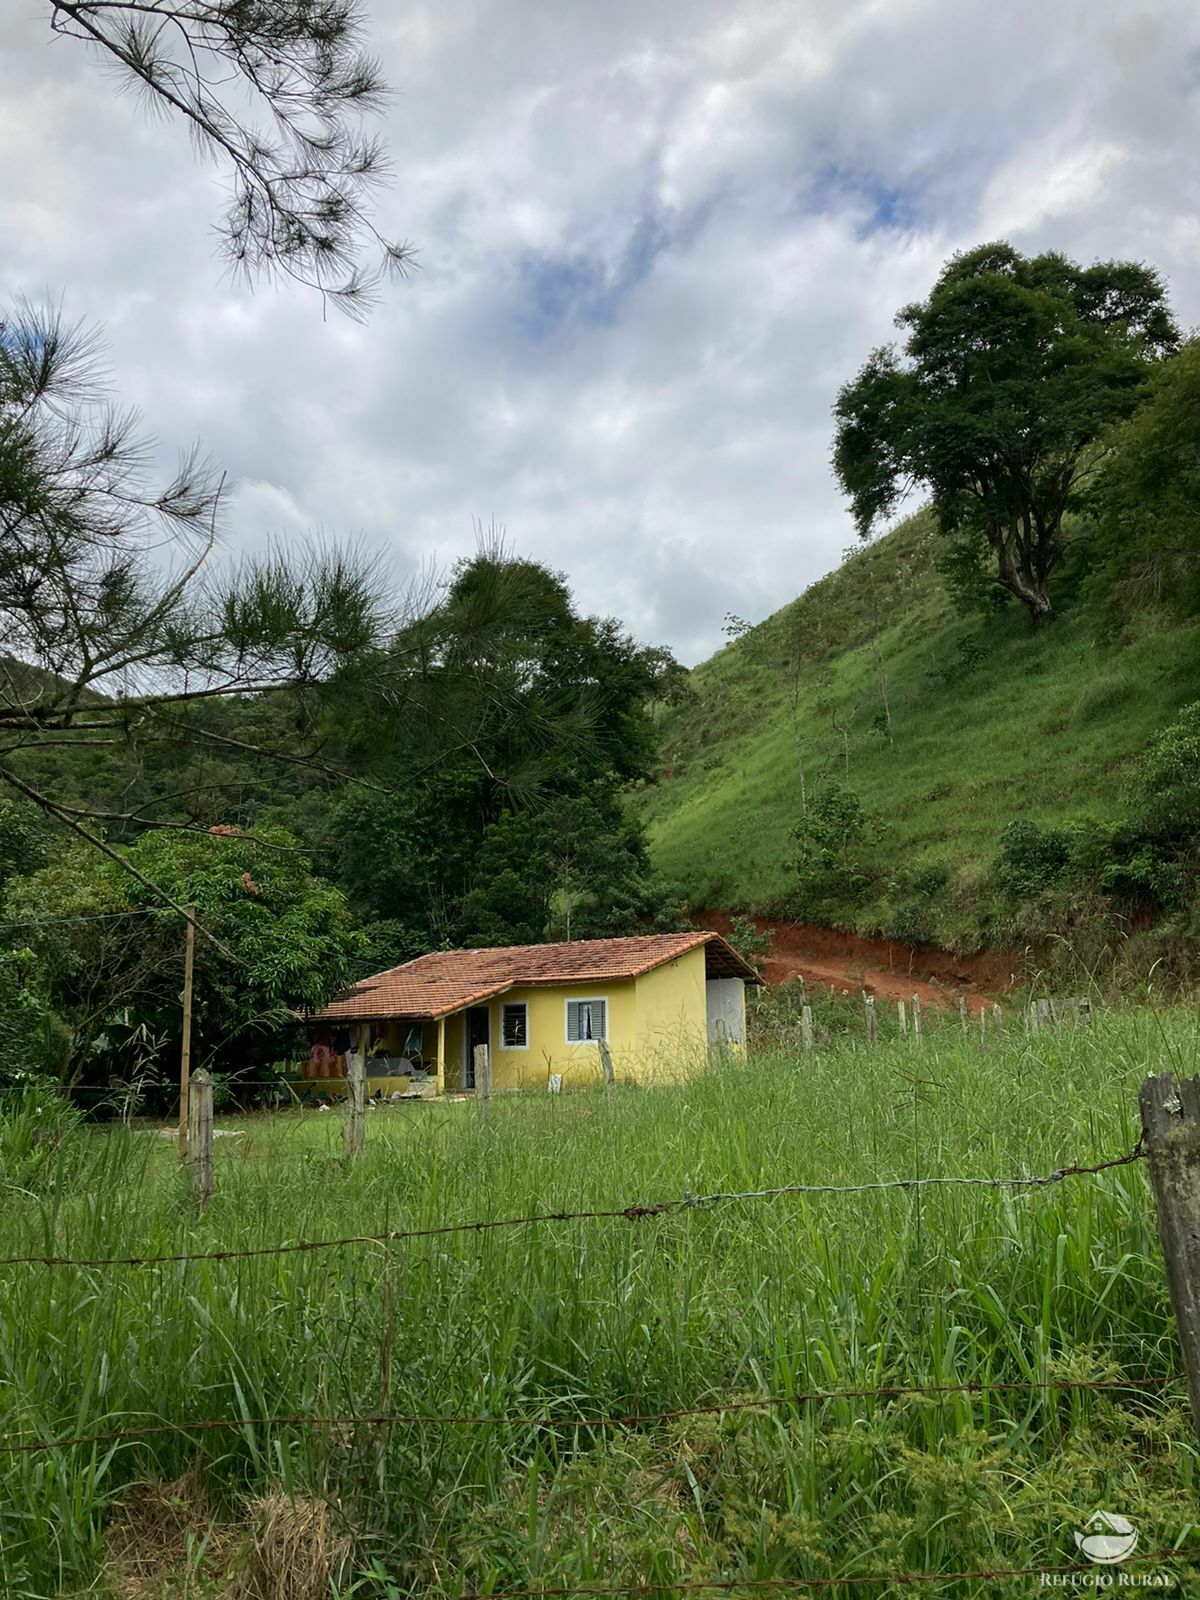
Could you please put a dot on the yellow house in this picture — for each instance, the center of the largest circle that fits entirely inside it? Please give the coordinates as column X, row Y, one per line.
column 653, row 1004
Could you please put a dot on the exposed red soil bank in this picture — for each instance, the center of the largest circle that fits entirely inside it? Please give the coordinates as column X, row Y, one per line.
column 882, row 967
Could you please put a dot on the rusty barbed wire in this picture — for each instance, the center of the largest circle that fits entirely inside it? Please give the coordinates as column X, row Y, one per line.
column 581, row 1424
column 630, row 1213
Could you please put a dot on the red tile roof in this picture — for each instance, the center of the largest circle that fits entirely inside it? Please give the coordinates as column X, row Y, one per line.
column 447, row 980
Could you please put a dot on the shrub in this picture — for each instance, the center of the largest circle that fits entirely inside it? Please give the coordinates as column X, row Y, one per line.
column 1146, row 877
column 1031, row 858
column 1165, row 791
column 749, row 943
column 827, row 851
column 38, row 1137
column 912, row 917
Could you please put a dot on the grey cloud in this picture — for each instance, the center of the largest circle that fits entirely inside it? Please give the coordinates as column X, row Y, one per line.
column 654, row 241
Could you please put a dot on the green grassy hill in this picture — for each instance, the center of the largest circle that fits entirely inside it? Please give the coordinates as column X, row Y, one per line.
column 990, row 722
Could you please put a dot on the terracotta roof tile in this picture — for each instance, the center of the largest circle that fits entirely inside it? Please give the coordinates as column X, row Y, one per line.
column 447, row 980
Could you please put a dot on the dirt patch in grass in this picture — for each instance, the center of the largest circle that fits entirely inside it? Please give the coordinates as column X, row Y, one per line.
column 883, row 967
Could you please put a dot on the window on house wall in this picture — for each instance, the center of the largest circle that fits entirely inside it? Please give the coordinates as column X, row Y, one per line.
column 514, row 1025
column 586, row 1019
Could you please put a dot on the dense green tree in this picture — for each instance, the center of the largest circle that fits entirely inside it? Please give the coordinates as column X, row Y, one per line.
column 77, row 961
column 575, row 868
column 528, row 721
column 1009, row 373
column 1147, row 497
column 280, row 939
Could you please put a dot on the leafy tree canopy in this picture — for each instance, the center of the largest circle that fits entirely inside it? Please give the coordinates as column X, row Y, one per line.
column 1008, row 374
column 574, row 868
column 280, row 939
column 1147, row 496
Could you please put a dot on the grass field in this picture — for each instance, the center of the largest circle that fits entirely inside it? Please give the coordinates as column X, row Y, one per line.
column 586, row 1318
column 989, row 723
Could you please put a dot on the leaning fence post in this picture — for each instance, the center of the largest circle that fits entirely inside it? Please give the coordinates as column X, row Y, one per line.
column 806, row 1027
column 606, row 1066
column 869, row 1006
column 200, row 1134
column 916, row 1016
column 356, row 1097
column 1171, row 1130
column 483, row 1082
column 964, row 1017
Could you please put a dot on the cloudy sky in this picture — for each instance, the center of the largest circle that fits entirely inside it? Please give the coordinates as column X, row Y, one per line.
column 655, row 236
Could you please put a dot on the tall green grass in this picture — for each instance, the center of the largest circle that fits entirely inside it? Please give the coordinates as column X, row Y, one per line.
column 989, row 722
column 575, row 1319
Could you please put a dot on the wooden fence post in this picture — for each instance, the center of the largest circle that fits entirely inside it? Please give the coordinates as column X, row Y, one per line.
column 1171, row 1130
column 997, row 1019
column 200, row 1134
column 1043, row 1015
column 483, row 1083
column 964, row 1017
column 900, row 1012
column 806, row 1027
column 1086, row 1014
column 869, row 1006
column 356, row 1105
column 916, row 1016
column 606, row 1065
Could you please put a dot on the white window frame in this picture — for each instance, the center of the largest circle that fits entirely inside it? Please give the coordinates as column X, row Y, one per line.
column 584, row 1000
column 506, row 1005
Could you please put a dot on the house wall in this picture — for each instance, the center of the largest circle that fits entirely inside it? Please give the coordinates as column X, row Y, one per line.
column 656, row 1029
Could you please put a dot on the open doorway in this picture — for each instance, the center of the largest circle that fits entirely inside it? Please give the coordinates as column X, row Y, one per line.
column 477, row 1031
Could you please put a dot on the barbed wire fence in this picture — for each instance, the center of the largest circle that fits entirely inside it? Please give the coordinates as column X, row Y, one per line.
column 1160, row 1141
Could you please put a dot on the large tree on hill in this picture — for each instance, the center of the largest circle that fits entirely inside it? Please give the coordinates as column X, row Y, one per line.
column 275, row 92
column 1009, row 373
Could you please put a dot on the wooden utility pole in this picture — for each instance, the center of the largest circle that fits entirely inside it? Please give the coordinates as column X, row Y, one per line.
column 199, row 1123
column 185, row 1056
column 1171, row 1130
